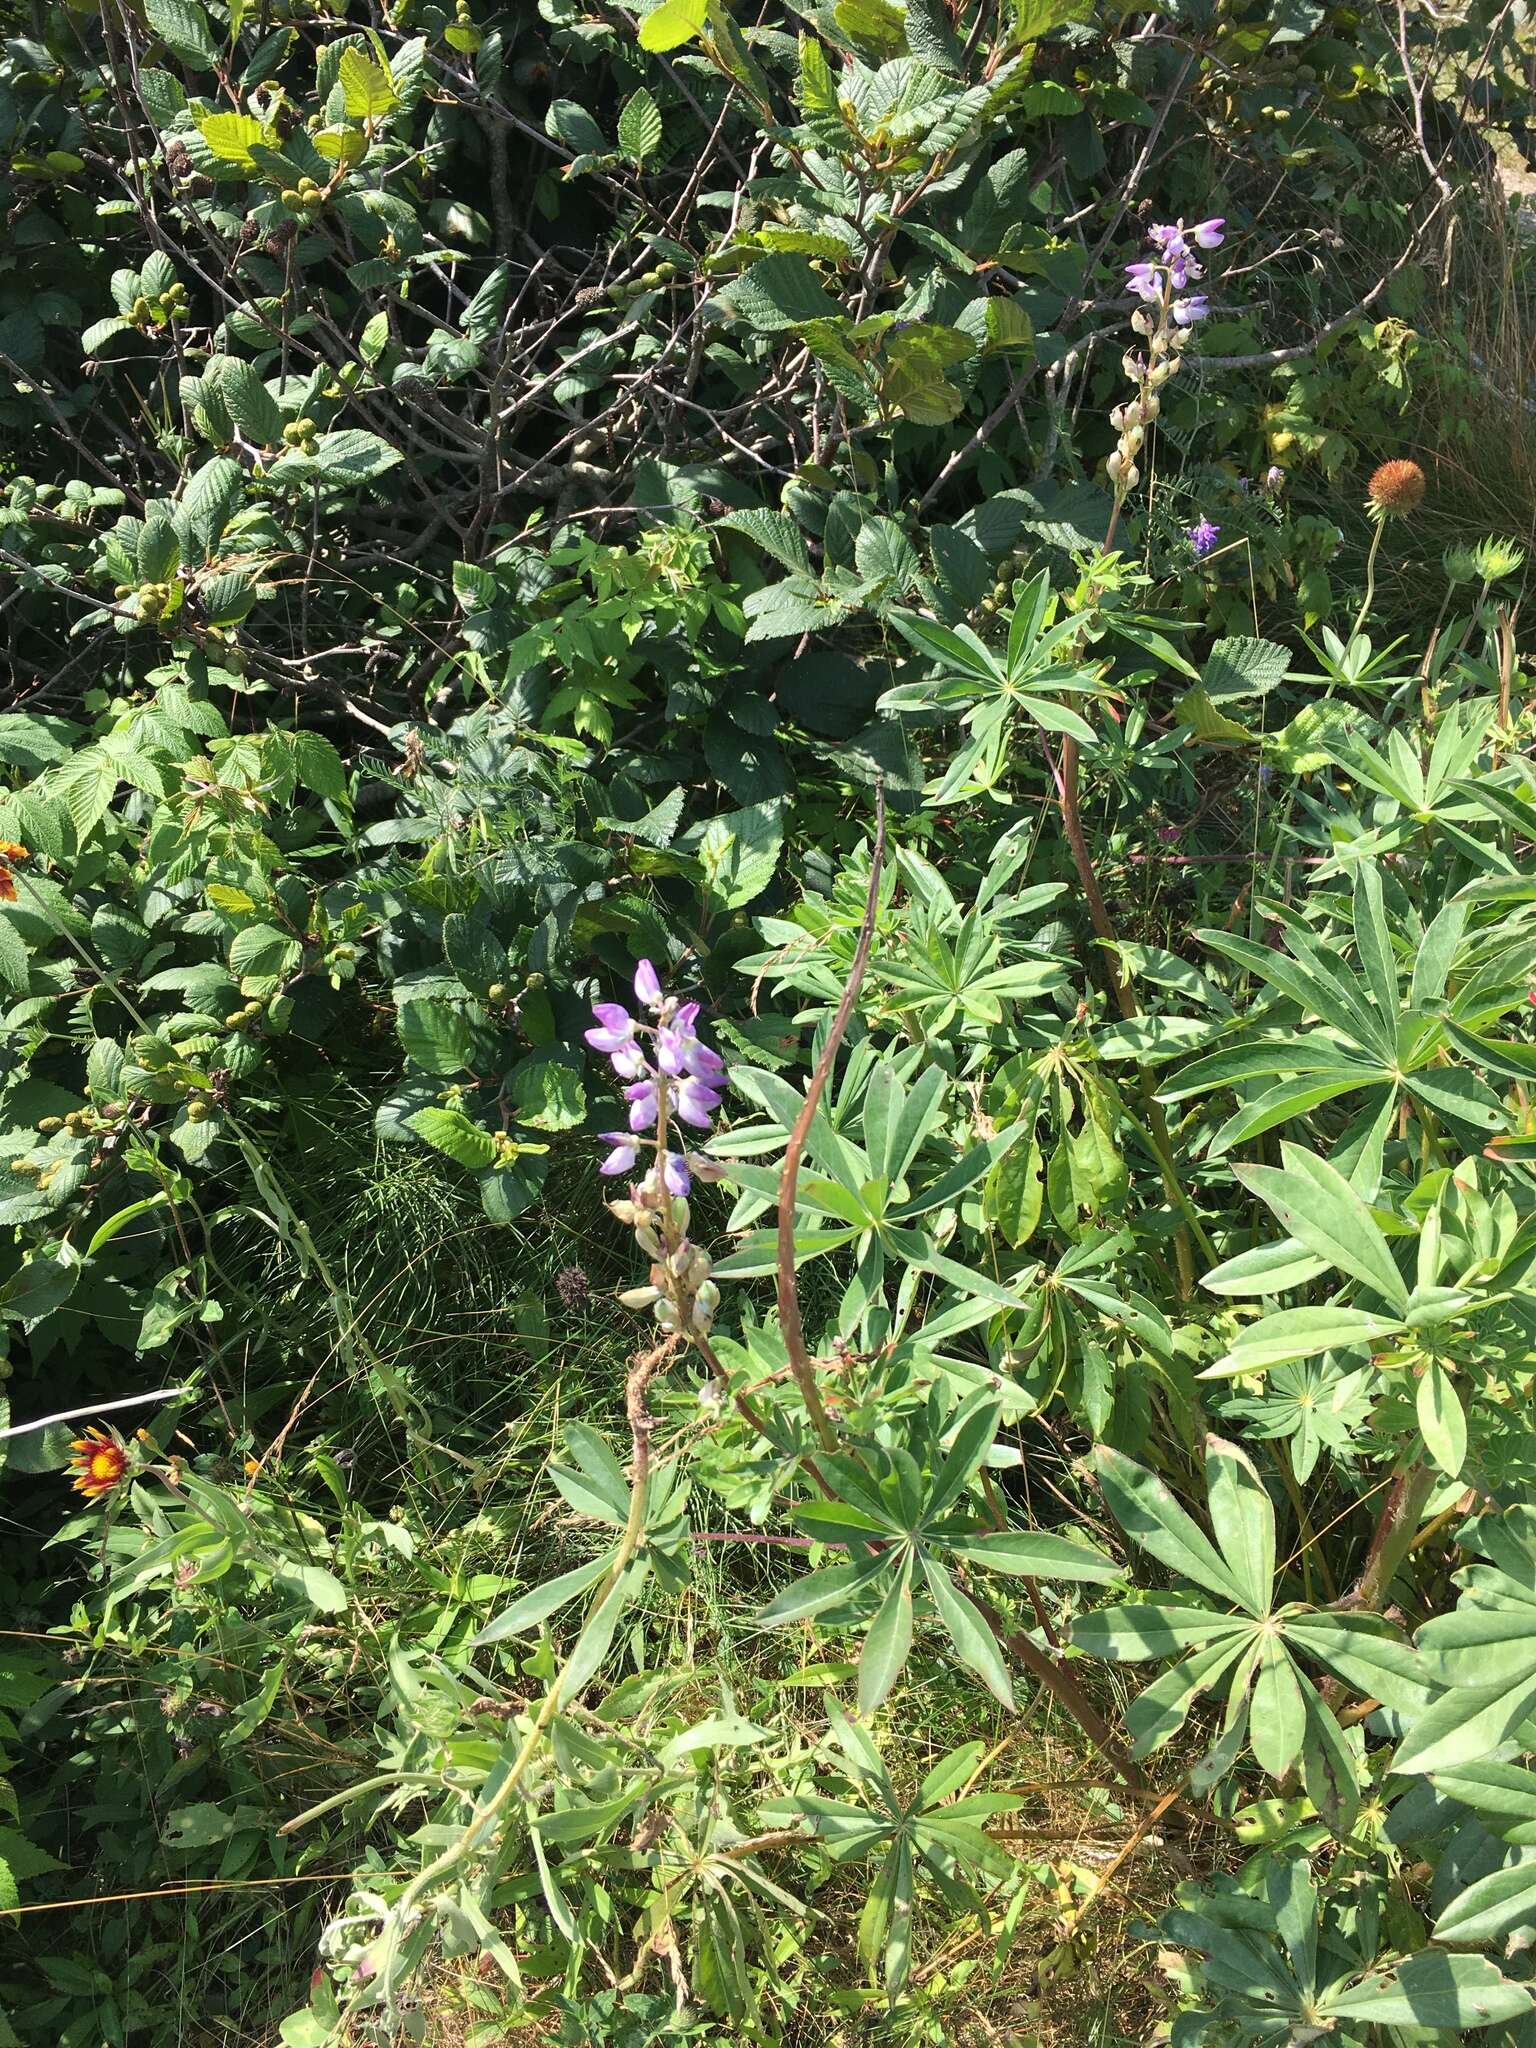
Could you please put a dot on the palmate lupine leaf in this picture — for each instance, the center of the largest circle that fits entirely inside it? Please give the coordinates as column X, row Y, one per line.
column 912, row 1535
column 933, row 1834
column 1251, row 1655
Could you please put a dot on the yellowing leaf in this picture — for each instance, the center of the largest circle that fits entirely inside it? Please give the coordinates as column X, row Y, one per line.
column 223, row 897
column 340, row 145
column 367, row 89
column 1196, row 710
column 672, row 23
column 231, row 137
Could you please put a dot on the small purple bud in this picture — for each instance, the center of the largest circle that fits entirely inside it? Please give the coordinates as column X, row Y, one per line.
column 1274, row 477
column 1209, row 234
column 674, row 1173
column 647, row 986
column 1188, row 311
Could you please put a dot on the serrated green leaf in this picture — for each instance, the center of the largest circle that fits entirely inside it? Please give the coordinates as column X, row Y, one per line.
column 640, row 128
column 366, row 87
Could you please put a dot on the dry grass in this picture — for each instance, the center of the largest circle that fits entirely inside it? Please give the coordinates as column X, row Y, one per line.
column 1475, row 433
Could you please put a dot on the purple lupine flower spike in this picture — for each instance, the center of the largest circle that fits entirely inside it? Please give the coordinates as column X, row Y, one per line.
column 667, row 1060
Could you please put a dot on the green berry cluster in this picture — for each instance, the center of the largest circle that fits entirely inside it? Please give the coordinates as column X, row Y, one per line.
column 648, row 281
column 160, row 308
column 306, row 198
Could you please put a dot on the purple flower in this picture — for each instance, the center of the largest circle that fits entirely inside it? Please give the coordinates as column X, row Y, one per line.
column 1208, row 234
column 679, row 1049
column 1274, row 477
column 1188, row 311
column 615, row 1028
column 674, row 1173
column 1203, row 536
column 647, row 986
column 695, row 1103
column 1143, row 280
column 703, row 1062
column 644, row 1104
column 1170, row 240
column 624, row 1154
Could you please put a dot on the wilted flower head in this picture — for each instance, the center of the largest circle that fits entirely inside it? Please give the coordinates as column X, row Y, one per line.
column 1203, row 536
column 573, row 1287
column 1395, row 490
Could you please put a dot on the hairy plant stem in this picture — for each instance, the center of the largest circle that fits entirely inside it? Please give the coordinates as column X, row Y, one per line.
column 1057, row 1676
column 791, row 1326
column 1396, row 1527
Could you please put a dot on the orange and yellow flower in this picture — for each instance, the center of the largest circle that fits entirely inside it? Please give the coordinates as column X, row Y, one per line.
column 99, row 1463
column 10, row 854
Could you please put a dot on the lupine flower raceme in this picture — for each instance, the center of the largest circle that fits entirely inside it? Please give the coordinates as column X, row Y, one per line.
column 1168, row 313
column 669, row 1075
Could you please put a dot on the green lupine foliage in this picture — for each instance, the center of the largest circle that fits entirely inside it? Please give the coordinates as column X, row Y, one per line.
column 491, row 498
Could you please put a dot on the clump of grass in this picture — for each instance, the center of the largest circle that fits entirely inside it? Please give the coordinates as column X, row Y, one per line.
column 1473, row 425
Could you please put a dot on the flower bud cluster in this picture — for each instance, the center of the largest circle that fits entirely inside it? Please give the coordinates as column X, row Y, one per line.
column 668, row 1072
column 1165, row 319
